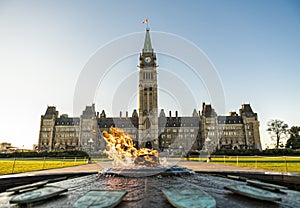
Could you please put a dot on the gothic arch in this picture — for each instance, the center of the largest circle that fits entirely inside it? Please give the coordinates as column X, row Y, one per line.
column 148, row 145
column 147, row 123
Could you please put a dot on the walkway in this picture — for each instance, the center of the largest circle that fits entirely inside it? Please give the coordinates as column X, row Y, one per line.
column 199, row 167
column 95, row 168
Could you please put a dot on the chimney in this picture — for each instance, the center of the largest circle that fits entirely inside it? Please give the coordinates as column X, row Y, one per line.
column 233, row 113
column 170, row 114
column 120, row 114
column 176, row 113
column 126, row 114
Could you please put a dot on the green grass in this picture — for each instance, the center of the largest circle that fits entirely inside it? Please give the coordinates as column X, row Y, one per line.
column 8, row 166
column 278, row 164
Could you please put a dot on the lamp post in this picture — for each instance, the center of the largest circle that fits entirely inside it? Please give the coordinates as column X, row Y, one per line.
column 208, row 148
column 91, row 141
column 180, row 150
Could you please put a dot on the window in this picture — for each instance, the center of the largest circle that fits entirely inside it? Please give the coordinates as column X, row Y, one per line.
column 147, row 75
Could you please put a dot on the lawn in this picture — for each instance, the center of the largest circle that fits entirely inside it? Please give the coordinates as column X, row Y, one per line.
column 279, row 164
column 8, row 166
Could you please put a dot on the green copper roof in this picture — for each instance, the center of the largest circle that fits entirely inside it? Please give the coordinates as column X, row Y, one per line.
column 147, row 45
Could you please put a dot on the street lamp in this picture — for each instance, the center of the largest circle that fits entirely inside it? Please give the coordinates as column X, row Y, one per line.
column 208, row 148
column 181, row 151
column 207, row 144
column 91, row 141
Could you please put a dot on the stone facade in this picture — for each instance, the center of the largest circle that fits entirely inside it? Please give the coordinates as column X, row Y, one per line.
column 202, row 131
column 5, row 147
column 147, row 96
column 181, row 134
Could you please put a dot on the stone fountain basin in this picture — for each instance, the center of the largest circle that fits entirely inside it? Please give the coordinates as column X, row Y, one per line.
column 147, row 191
column 141, row 171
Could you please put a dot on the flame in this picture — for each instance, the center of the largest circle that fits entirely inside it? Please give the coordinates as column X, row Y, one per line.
column 120, row 148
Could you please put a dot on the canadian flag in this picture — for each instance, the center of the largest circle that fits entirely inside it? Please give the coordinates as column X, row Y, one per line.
column 145, row 21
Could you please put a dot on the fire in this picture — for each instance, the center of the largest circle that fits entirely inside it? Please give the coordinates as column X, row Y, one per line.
column 121, row 150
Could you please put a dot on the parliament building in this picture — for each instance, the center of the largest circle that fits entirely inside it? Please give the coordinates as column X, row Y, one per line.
column 150, row 127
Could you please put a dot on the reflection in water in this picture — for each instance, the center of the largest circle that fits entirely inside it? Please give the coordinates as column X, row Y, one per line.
column 146, row 192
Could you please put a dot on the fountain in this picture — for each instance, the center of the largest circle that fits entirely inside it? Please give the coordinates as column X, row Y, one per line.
column 132, row 162
column 130, row 173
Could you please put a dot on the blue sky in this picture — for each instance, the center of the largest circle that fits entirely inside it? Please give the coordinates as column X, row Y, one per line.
column 44, row 45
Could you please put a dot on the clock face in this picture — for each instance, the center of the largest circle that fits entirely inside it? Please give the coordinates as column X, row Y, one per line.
column 147, row 59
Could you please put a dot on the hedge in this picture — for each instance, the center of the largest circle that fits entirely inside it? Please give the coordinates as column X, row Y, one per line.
column 67, row 153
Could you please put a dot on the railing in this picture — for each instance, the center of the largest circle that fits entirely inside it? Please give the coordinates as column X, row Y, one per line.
column 19, row 165
column 278, row 163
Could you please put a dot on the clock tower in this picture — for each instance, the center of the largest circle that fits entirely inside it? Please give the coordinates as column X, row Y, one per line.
column 147, row 96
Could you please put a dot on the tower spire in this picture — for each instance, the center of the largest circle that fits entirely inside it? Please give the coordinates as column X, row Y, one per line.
column 147, row 44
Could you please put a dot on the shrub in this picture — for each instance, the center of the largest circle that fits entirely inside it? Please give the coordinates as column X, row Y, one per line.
column 67, row 153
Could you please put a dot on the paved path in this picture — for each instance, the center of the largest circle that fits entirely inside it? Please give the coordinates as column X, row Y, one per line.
column 287, row 179
column 94, row 168
column 211, row 167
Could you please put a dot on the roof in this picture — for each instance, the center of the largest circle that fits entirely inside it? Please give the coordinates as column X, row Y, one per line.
column 208, row 111
column 246, row 110
column 178, row 122
column 67, row 121
column 230, row 120
column 50, row 112
column 147, row 44
column 89, row 112
column 131, row 122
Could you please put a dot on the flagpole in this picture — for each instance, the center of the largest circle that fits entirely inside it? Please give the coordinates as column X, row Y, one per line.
column 147, row 24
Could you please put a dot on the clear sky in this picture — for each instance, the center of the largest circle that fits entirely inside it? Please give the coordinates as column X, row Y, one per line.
column 44, row 46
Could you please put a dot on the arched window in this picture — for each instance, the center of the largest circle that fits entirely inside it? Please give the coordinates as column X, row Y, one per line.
column 148, row 123
column 148, row 145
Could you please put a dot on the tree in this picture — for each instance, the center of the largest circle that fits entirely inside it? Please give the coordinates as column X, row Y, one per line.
column 294, row 141
column 278, row 129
